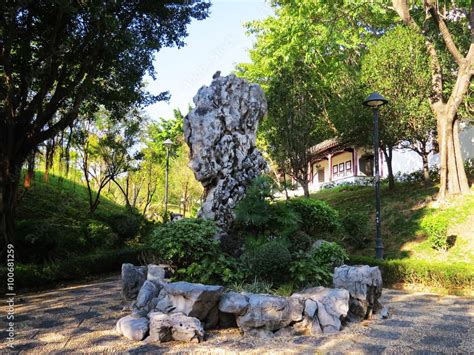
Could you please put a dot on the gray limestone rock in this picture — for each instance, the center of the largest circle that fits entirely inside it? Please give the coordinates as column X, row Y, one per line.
column 147, row 293
column 133, row 278
column 156, row 273
column 270, row 313
column 221, row 134
column 233, row 302
column 364, row 284
column 133, row 328
column 174, row 326
column 195, row 300
column 332, row 306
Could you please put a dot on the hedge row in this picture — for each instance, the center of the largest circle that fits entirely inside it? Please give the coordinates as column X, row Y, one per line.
column 32, row 276
column 450, row 276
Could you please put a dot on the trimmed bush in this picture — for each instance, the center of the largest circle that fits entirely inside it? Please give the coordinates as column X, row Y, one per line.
column 270, row 261
column 317, row 217
column 450, row 276
column 436, row 226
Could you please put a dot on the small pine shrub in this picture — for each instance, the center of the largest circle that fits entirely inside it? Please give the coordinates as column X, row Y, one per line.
column 356, row 228
column 270, row 261
column 436, row 227
column 317, row 217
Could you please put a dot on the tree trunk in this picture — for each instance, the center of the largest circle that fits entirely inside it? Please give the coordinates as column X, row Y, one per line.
column 285, row 185
column 426, row 168
column 388, row 153
column 9, row 182
column 453, row 179
column 463, row 182
column 305, row 186
column 30, row 171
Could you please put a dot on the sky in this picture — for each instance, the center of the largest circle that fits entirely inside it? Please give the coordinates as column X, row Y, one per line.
column 217, row 43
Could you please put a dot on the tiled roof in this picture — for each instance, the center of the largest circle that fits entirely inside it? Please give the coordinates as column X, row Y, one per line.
column 325, row 145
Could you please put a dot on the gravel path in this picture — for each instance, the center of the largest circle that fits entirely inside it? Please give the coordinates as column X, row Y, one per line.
column 82, row 319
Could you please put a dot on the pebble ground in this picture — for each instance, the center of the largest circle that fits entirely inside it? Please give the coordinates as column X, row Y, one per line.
column 81, row 319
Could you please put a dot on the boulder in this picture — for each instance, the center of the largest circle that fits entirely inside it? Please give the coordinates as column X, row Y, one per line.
column 195, row 300
column 364, row 284
column 233, row 302
column 270, row 313
column 156, row 273
column 174, row 326
column 332, row 305
column 133, row 278
column 148, row 292
column 133, row 328
column 221, row 134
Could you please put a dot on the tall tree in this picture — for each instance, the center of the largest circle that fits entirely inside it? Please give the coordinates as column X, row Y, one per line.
column 397, row 65
column 305, row 57
column 55, row 55
column 449, row 53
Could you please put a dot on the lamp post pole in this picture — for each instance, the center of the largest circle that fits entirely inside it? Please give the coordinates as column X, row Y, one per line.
column 375, row 100
column 378, row 234
column 167, row 143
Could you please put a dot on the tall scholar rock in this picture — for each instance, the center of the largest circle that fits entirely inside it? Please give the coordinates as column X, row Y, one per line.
column 221, row 132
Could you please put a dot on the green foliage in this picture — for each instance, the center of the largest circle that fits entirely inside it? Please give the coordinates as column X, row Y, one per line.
column 453, row 277
column 317, row 217
column 307, row 270
column 436, row 226
column 260, row 217
column 300, row 241
column 100, row 234
column 330, row 253
column 398, row 66
column 185, row 242
column 189, row 246
column 270, row 261
column 125, row 225
column 356, row 228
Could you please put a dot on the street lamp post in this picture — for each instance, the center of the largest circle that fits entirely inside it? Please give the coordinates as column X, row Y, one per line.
column 168, row 144
column 375, row 100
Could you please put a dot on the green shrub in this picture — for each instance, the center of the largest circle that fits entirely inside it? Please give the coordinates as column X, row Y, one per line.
column 300, row 241
column 356, row 228
column 189, row 246
column 99, row 234
column 436, row 227
column 186, row 241
column 307, row 270
column 270, row 261
column 317, row 217
column 330, row 253
column 125, row 225
column 449, row 276
column 257, row 215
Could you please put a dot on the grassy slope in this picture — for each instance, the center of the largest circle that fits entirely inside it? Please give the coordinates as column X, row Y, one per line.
column 402, row 212
column 60, row 199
